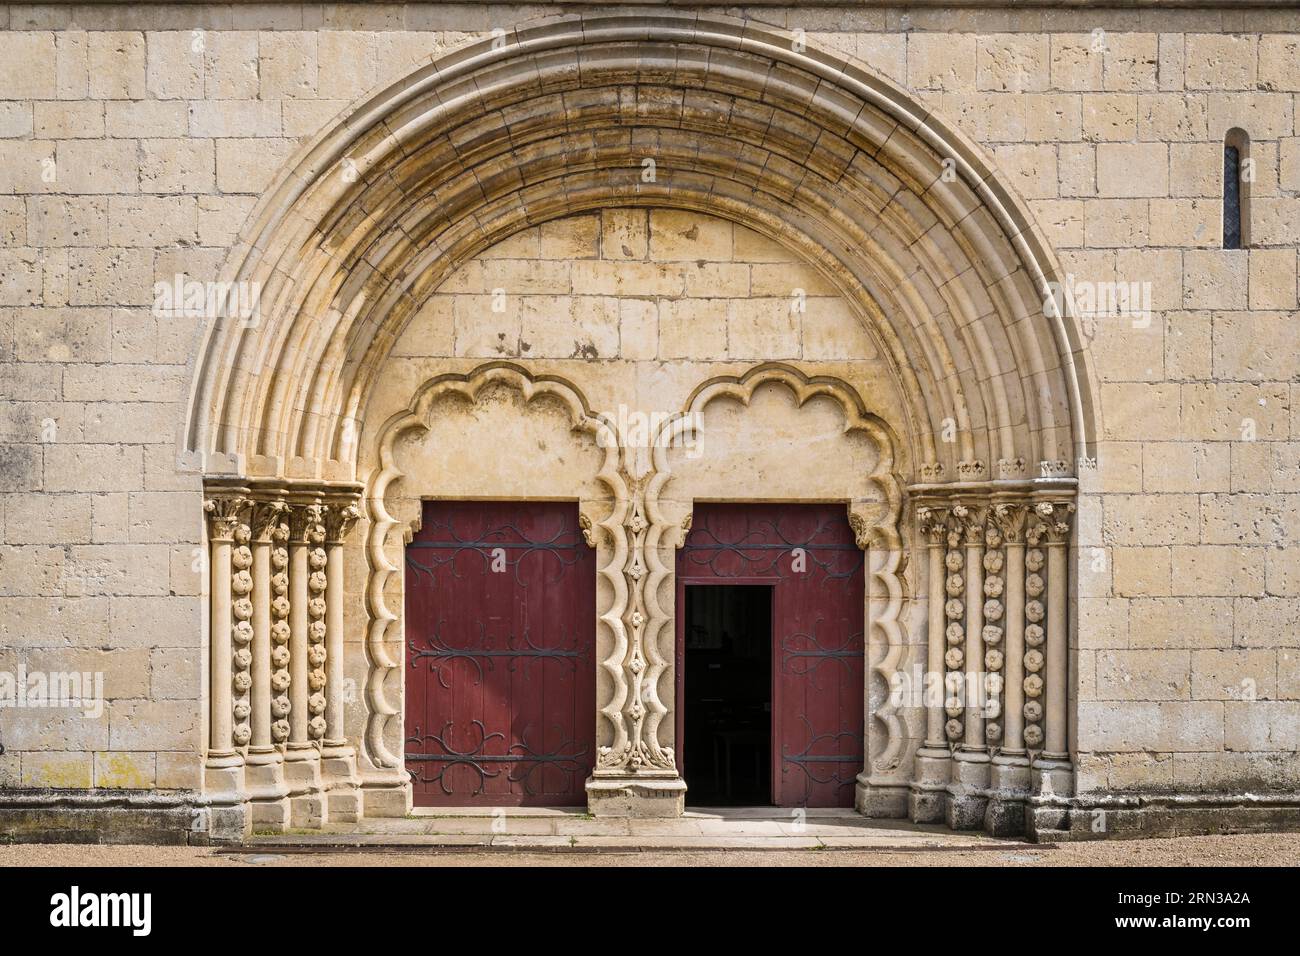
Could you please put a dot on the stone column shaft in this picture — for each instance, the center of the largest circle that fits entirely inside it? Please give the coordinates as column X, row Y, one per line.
column 261, row 646
column 298, row 691
column 1056, row 745
column 974, row 738
column 1014, row 721
column 934, row 716
column 221, row 721
column 334, row 733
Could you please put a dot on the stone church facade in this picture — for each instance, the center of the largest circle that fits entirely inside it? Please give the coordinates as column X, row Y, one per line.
column 1013, row 289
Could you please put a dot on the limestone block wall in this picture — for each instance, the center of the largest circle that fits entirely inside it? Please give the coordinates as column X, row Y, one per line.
column 136, row 139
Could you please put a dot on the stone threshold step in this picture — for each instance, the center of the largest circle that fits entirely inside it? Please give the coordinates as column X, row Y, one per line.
column 383, row 843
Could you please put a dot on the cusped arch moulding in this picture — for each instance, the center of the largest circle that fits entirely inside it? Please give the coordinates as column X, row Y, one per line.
column 938, row 259
column 381, row 707
column 875, row 525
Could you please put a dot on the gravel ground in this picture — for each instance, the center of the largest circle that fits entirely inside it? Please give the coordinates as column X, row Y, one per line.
column 1274, row 849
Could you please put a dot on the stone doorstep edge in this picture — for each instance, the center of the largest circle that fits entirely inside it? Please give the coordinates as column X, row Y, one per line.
column 186, row 817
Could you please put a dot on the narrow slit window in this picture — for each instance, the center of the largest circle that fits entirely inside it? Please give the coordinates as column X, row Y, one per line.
column 1237, row 174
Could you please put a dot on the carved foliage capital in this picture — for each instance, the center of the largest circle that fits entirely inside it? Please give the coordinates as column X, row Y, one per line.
column 970, row 520
column 225, row 514
column 934, row 524
column 339, row 520
column 1051, row 521
column 307, row 522
column 1010, row 519
column 267, row 516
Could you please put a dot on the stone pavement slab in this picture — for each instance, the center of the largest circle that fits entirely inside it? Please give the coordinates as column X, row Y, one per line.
column 751, row 828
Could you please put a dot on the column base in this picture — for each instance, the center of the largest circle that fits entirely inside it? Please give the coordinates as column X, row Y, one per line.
column 927, row 796
column 1009, row 788
column 968, row 797
column 384, row 799
column 229, row 824
column 1052, row 775
column 270, row 816
column 308, row 808
column 264, row 783
column 228, row 820
column 223, row 777
column 881, row 799
column 338, row 770
column 633, row 796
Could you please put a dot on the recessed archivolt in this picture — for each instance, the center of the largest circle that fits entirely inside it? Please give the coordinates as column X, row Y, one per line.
column 875, row 525
column 382, row 706
column 942, row 264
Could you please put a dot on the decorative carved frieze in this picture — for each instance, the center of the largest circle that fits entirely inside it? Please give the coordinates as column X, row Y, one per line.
column 280, row 705
column 994, row 655
column 316, row 584
column 241, row 588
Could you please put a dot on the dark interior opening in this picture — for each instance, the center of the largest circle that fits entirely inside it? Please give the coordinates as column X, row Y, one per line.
column 728, row 690
column 1231, row 197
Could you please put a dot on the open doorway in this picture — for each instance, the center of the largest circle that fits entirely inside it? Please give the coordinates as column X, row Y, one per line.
column 728, row 694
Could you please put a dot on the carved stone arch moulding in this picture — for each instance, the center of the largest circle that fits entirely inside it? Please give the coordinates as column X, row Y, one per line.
column 949, row 273
column 381, row 705
column 876, row 529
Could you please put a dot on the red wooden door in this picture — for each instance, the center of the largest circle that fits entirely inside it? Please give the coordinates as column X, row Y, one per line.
column 501, row 634
column 809, row 556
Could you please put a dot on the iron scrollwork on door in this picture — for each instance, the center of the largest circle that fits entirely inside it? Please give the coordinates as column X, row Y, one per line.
column 757, row 549
column 483, row 654
column 500, row 643
column 502, row 547
column 826, row 768
column 802, row 653
column 437, row 757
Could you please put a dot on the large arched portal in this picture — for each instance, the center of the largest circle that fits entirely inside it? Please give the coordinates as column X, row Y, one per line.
column 969, row 404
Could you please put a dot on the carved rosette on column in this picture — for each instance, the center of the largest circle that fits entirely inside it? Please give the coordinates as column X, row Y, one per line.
column 241, row 588
column 316, row 653
column 1035, row 637
column 269, row 587
column 998, row 565
column 954, row 610
column 1051, row 526
column 280, row 632
column 1009, row 783
column 637, row 775
column 994, row 655
column 265, row 779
